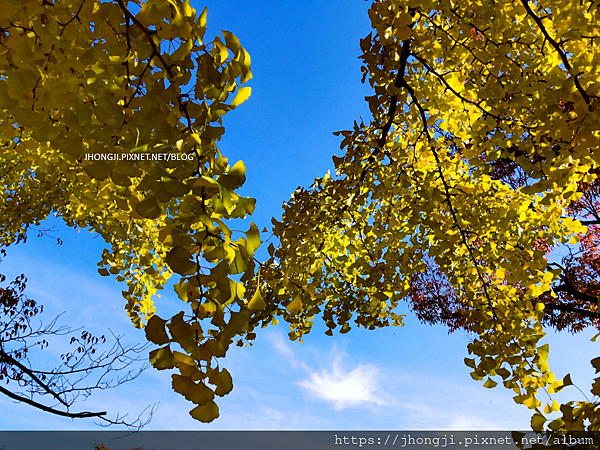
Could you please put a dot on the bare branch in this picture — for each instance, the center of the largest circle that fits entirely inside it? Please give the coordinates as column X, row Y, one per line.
column 579, row 311
column 5, row 357
column 37, row 405
column 80, row 372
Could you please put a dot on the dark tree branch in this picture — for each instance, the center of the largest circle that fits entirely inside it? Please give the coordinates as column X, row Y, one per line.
column 66, row 382
column 394, row 99
column 5, row 357
column 447, row 85
column 579, row 311
column 148, row 34
column 570, row 289
column 559, row 50
column 391, row 114
column 48, row 409
column 463, row 234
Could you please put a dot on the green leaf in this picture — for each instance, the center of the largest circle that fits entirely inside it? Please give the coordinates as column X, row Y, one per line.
column 248, row 204
column 232, row 42
column 98, row 170
column 196, row 138
column 213, row 132
column 596, row 387
column 531, row 402
column 202, row 18
column 257, row 302
column 183, row 333
column 490, row 383
column 238, row 324
column 183, row 290
column 156, row 331
column 295, row 306
column 537, row 422
column 163, row 358
column 205, row 413
column 504, row 373
column 215, row 348
column 187, row 366
column 470, row 363
column 205, row 185
column 180, row 261
column 235, row 178
column 243, row 59
column 198, row 393
column 567, row 380
column 222, row 380
column 253, row 239
column 149, row 208
column 176, row 188
column 187, row 9
column 554, row 406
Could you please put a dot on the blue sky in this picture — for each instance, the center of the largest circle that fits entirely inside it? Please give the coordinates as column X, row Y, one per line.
column 306, row 86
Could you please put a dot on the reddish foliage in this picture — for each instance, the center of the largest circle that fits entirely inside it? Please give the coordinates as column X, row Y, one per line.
column 509, row 172
column 575, row 303
column 434, row 299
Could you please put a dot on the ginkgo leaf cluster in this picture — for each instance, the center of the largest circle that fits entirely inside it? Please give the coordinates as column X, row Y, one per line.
column 460, row 89
column 84, row 80
column 484, row 137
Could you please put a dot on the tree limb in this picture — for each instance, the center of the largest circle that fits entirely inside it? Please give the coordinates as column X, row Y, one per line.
column 48, row 409
column 570, row 289
column 401, row 82
column 581, row 312
column 394, row 99
column 148, row 34
column 10, row 360
column 447, row 85
column 556, row 47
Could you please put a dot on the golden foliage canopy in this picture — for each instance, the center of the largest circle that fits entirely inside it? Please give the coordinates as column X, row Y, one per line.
column 110, row 116
column 458, row 88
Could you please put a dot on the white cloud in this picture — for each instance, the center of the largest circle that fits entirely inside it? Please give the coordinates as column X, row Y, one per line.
column 345, row 388
column 283, row 348
column 339, row 385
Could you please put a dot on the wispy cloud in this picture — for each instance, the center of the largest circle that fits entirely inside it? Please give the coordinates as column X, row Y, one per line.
column 342, row 384
column 345, row 388
column 282, row 347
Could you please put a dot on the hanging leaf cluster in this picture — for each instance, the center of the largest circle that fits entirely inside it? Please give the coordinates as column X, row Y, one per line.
column 482, row 156
column 110, row 115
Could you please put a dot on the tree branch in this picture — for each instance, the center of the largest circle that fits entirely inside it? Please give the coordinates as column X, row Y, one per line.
column 581, row 312
column 401, row 82
column 394, row 99
column 148, row 34
column 445, row 83
column 48, row 409
column 10, row 360
column 570, row 289
column 556, row 47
